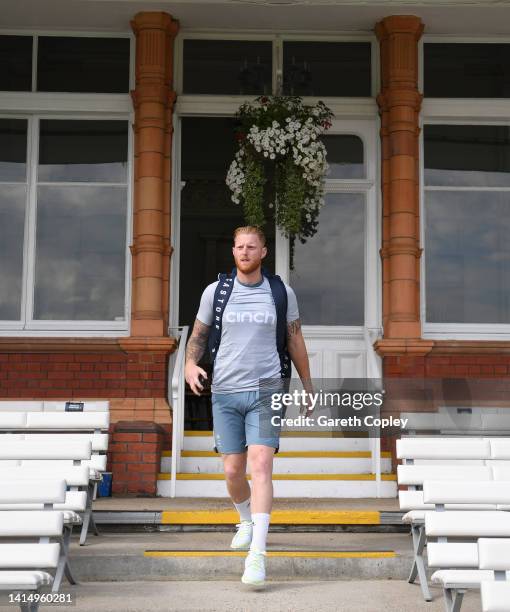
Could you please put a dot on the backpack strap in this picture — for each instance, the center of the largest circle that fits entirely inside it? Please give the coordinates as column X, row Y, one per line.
column 281, row 301
column 221, row 296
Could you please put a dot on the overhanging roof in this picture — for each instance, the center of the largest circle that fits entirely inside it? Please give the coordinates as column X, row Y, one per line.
column 470, row 17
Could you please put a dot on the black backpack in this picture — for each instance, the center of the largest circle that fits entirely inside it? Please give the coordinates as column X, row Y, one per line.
column 221, row 297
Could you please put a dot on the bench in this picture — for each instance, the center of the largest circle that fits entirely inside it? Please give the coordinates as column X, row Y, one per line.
column 46, row 418
column 23, row 563
column 466, row 526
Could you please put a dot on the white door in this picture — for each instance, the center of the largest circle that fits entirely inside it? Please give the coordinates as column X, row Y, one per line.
column 336, row 272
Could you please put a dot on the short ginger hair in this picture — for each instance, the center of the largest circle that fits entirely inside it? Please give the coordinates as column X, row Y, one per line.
column 250, row 229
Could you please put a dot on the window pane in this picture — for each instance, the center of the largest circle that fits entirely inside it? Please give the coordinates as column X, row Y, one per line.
column 345, row 156
column 466, row 70
column 467, row 155
column 13, row 150
column 83, row 151
column 467, row 257
column 15, row 63
column 208, row 216
column 81, row 253
column 336, row 295
column 12, row 222
column 83, row 64
column 326, row 69
column 227, row 67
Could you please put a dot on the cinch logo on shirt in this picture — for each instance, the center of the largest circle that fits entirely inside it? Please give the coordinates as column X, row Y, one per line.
column 261, row 316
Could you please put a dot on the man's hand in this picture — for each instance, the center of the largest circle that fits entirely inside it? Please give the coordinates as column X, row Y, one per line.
column 192, row 373
column 307, row 406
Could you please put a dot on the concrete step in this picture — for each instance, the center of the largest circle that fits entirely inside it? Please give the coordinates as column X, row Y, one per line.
column 290, row 462
column 285, row 485
column 289, row 441
column 200, row 556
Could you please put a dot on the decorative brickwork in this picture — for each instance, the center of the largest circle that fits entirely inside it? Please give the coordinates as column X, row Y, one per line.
column 399, row 105
column 134, row 457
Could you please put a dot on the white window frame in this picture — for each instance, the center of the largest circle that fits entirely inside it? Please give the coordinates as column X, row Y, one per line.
column 347, row 112
column 34, row 106
column 456, row 111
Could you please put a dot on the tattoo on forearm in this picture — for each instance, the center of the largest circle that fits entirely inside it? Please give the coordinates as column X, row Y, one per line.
column 293, row 327
column 197, row 342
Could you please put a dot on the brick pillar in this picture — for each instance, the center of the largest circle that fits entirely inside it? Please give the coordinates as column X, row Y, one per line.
column 153, row 102
column 134, row 456
column 399, row 105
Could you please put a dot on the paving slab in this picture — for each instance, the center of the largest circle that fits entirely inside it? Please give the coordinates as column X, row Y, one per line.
column 229, row 596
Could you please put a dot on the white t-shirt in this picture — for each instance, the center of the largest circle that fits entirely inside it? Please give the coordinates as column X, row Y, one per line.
column 247, row 350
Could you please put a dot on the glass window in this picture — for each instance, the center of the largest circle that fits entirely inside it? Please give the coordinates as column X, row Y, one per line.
column 15, row 63
column 327, row 68
column 466, row 70
column 13, row 150
column 336, row 295
column 80, row 263
column 83, row 64
column 81, row 229
column 467, row 155
column 83, row 151
column 208, row 215
column 345, row 156
column 13, row 196
column 468, row 256
column 227, row 67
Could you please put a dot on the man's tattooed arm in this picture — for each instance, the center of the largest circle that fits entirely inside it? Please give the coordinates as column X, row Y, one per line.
column 293, row 328
column 197, row 342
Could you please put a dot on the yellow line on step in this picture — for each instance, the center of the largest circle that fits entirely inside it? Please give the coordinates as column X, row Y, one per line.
column 321, row 554
column 278, row 517
column 218, row 476
column 293, row 454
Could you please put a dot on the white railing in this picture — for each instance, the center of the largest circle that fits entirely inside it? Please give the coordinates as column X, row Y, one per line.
column 176, row 390
column 374, row 373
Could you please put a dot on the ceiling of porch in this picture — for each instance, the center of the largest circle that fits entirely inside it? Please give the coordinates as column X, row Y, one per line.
column 470, row 17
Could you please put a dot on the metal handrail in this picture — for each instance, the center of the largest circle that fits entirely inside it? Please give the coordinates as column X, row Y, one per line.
column 374, row 372
column 176, row 390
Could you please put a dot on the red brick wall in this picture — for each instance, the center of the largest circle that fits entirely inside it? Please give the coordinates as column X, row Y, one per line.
column 134, row 457
column 82, row 375
column 447, row 366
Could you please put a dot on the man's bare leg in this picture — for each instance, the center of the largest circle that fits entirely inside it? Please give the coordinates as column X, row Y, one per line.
column 260, row 459
column 234, row 466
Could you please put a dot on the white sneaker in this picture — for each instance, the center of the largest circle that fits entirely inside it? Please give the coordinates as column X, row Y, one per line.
column 255, row 568
column 242, row 538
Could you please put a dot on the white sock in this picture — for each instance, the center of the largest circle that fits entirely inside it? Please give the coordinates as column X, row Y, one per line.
column 244, row 510
column 260, row 529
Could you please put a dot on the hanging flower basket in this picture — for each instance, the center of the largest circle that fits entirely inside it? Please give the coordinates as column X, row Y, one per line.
column 278, row 139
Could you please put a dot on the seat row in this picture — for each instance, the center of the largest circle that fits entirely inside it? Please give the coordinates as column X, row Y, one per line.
column 36, row 521
column 456, row 500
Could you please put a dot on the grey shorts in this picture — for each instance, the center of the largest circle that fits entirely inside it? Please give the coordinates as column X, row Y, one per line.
column 240, row 419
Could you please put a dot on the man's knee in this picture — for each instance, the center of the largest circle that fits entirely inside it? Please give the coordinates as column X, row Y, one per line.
column 234, row 469
column 261, row 465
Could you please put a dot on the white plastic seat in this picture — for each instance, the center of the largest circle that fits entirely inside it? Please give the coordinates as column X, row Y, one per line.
column 88, row 406
column 13, row 420
column 452, row 554
column 50, row 491
column 461, row 579
column 466, row 493
column 443, row 448
column 30, row 523
column 28, row 580
column 45, row 449
column 471, row 524
column 417, row 474
column 21, row 406
column 74, row 475
column 68, row 420
column 99, row 441
column 495, row 596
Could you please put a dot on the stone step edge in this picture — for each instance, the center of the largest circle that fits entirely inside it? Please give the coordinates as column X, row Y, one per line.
column 291, row 454
column 383, row 554
column 219, row 476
